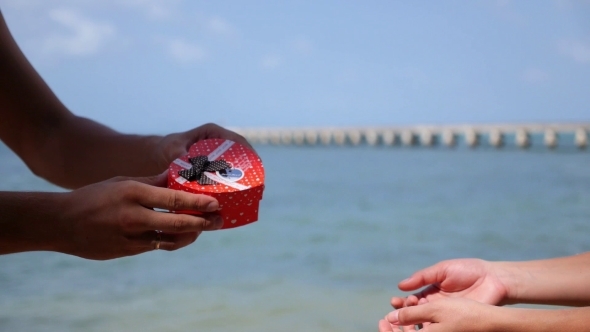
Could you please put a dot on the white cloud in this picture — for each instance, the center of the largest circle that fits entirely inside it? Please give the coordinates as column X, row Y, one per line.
column 534, row 76
column 302, row 46
column 270, row 61
column 507, row 11
column 219, row 26
column 576, row 50
column 154, row 9
column 184, row 51
column 20, row 4
column 414, row 76
column 85, row 37
column 570, row 4
column 502, row 3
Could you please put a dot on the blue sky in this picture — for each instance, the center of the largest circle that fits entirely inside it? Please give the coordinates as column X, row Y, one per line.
column 169, row 65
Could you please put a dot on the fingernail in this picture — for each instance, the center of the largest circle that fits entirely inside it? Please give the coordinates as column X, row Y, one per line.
column 212, row 206
column 392, row 317
column 218, row 222
column 405, row 280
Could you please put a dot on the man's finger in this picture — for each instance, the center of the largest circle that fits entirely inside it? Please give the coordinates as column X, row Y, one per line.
column 173, row 223
column 175, row 200
column 160, row 180
column 153, row 240
column 171, row 242
column 211, row 130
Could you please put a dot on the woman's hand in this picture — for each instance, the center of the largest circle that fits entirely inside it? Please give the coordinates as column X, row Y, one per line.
column 473, row 279
column 463, row 315
column 446, row 315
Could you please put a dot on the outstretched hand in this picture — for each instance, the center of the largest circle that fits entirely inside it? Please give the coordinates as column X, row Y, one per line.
column 473, row 279
column 115, row 218
column 446, row 315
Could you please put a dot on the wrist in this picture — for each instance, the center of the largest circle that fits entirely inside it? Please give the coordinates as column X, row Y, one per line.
column 503, row 319
column 510, row 276
column 156, row 152
column 30, row 222
column 541, row 320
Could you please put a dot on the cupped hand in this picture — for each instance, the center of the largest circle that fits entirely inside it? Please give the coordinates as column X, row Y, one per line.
column 446, row 315
column 115, row 218
column 176, row 145
column 473, row 279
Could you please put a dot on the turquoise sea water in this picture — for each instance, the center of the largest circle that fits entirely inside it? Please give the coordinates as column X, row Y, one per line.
column 339, row 227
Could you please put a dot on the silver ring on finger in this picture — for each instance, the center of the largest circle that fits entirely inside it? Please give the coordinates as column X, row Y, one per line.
column 158, row 239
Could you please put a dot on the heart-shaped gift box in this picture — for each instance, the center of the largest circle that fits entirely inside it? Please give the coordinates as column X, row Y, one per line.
column 226, row 170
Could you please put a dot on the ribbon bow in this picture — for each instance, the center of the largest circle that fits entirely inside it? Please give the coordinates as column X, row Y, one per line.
column 201, row 164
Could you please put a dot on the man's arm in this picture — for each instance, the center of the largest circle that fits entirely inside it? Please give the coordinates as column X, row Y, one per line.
column 105, row 220
column 69, row 150
column 55, row 144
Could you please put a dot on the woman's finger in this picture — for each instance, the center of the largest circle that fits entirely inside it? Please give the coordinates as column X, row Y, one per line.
column 384, row 326
column 398, row 302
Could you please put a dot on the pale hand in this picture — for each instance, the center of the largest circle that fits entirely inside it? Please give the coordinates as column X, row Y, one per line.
column 473, row 279
column 446, row 315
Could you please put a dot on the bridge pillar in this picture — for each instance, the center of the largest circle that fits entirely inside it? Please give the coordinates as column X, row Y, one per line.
column 427, row 138
column 354, row 137
column 449, row 138
column 388, row 137
column 299, row 137
column 286, row 137
column 496, row 138
column 371, row 137
column 274, row 137
column 550, row 139
column 471, row 138
column 326, row 137
column 523, row 138
column 408, row 138
column 581, row 138
column 339, row 137
column 311, row 137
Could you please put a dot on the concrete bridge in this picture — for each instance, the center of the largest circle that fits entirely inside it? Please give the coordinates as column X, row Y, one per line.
column 497, row 135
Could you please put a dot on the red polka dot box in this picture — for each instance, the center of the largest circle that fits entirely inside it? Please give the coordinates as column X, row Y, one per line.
column 228, row 171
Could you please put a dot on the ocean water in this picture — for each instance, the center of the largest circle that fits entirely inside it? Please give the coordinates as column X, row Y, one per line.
column 339, row 228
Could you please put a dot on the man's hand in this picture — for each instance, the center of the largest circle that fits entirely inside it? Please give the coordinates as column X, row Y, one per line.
column 176, row 145
column 115, row 218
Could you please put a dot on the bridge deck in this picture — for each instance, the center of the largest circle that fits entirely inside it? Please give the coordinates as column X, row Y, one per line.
column 427, row 135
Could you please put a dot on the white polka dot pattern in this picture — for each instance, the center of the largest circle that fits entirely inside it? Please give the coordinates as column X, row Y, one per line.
column 238, row 207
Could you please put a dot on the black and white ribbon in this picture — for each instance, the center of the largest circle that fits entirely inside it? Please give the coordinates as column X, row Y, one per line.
column 200, row 165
